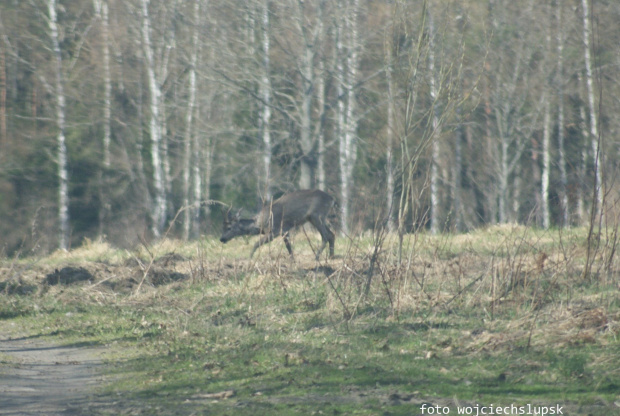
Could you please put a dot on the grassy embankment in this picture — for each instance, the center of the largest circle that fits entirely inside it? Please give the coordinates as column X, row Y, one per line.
column 498, row 316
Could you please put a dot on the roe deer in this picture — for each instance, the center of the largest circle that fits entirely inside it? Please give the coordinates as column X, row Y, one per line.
column 279, row 217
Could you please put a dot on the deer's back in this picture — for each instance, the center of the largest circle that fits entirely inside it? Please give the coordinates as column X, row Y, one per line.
column 295, row 209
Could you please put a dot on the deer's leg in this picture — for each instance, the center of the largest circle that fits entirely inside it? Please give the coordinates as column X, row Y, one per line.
column 332, row 242
column 326, row 235
column 287, row 242
column 263, row 240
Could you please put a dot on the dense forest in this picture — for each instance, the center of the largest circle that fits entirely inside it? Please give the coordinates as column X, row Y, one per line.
column 131, row 119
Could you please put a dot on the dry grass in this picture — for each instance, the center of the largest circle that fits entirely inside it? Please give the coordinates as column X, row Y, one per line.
column 504, row 297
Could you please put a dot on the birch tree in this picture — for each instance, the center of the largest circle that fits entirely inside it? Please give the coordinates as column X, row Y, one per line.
column 309, row 30
column 593, row 131
column 189, row 213
column 3, row 88
column 321, row 101
column 320, row 129
column 559, row 83
column 435, row 156
column 347, row 72
column 583, row 162
column 546, row 146
column 158, row 212
column 265, row 94
column 457, row 172
column 101, row 12
column 546, row 154
column 61, row 155
column 390, row 129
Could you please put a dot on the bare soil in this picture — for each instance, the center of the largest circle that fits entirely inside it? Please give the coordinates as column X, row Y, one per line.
column 39, row 378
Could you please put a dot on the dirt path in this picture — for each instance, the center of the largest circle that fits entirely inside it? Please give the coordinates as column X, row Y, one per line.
column 39, row 378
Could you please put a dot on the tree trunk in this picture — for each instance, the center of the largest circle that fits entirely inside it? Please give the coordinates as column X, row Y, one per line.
column 593, row 117
column 158, row 212
column 435, row 200
column 107, row 82
column 320, row 99
column 101, row 11
column 265, row 92
column 305, row 177
column 344, row 184
column 565, row 221
column 503, row 181
column 583, row 124
column 139, row 148
column 3, row 88
column 63, row 174
column 389, row 155
column 310, row 43
column 546, row 144
column 188, row 214
column 546, row 149
column 457, row 170
column 347, row 70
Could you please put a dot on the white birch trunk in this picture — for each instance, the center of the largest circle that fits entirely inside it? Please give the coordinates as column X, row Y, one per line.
column 63, row 174
column 107, row 82
column 3, row 108
column 320, row 100
column 200, row 166
column 389, row 197
column 165, row 145
column 435, row 133
column 435, row 183
column 347, row 108
column 265, row 92
column 590, row 92
column 140, row 144
column 340, row 120
column 306, row 137
column 546, row 149
column 305, row 177
column 351, row 117
column 191, row 104
column 546, row 144
column 158, row 213
column 101, row 11
column 321, row 131
column 250, row 32
column 456, row 177
column 516, row 193
column 503, row 181
column 197, row 195
column 560, row 95
column 583, row 124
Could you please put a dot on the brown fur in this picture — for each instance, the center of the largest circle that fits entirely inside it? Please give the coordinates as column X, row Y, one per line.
column 279, row 217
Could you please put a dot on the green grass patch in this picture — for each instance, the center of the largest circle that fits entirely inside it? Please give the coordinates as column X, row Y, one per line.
column 477, row 319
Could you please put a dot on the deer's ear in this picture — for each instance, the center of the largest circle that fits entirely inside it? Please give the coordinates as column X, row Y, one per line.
column 238, row 214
